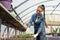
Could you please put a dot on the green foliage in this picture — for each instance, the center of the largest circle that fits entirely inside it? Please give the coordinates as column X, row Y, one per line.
column 55, row 30
column 59, row 30
column 24, row 36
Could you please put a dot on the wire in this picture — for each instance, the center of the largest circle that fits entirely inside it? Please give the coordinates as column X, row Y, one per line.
column 55, row 8
column 17, row 15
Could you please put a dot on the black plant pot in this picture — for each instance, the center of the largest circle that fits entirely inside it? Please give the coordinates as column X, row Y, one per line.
column 52, row 34
column 48, row 34
column 58, row 34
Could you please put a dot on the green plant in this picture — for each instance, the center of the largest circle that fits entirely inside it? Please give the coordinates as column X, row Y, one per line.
column 24, row 36
column 55, row 30
column 48, row 33
column 59, row 30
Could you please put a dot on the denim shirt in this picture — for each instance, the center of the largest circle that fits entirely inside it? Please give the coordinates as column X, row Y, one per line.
column 39, row 25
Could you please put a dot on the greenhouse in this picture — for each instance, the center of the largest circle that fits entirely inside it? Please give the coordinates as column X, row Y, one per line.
column 15, row 16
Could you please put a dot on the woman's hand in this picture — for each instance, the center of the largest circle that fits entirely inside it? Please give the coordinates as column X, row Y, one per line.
column 35, row 35
column 27, row 30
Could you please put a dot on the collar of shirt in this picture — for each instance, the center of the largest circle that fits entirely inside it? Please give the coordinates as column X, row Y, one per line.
column 38, row 16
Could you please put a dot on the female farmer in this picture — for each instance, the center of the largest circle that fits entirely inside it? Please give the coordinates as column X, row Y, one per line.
column 39, row 23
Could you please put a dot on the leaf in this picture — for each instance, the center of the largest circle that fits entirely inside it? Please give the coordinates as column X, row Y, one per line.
column 24, row 35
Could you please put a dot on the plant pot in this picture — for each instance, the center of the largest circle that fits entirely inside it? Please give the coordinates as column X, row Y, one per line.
column 54, row 34
column 29, row 38
column 23, row 37
column 58, row 34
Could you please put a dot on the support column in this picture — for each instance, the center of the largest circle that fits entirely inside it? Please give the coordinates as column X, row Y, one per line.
column 15, row 31
column 8, row 32
column 51, row 29
column 19, row 32
column 0, row 27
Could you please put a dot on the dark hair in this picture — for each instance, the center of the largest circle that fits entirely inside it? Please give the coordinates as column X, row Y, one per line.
column 43, row 10
column 41, row 6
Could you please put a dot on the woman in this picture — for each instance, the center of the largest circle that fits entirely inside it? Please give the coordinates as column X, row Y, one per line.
column 39, row 24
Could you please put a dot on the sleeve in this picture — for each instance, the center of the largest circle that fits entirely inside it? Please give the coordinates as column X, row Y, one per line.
column 30, row 22
column 41, row 25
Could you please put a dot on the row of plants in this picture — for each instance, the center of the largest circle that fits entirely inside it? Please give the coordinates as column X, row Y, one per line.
column 55, row 31
column 24, row 36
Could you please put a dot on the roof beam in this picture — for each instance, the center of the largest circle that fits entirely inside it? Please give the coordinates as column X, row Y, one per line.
column 34, row 5
column 34, row 10
column 20, row 4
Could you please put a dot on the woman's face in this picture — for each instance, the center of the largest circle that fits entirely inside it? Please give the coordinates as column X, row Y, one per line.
column 39, row 10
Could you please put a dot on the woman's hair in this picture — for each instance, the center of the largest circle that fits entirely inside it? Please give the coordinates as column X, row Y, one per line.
column 41, row 6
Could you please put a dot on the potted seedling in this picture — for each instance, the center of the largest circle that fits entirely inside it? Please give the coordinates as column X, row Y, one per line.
column 48, row 33
column 55, row 32
column 24, row 37
column 59, row 32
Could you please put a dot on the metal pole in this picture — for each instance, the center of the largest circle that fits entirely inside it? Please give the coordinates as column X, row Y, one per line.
column 0, row 27
column 15, row 31
column 8, row 32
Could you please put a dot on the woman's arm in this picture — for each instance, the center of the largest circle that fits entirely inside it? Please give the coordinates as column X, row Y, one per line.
column 31, row 20
column 46, row 24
